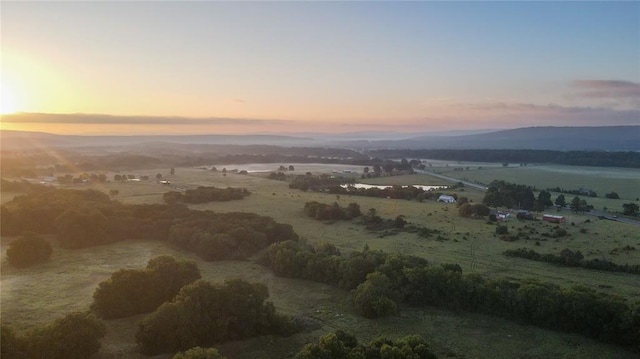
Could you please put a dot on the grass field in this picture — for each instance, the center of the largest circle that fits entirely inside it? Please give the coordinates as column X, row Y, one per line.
column 603, row 180
column 66, row 283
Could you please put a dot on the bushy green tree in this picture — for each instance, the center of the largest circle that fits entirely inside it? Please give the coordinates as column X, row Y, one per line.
column 204, row 314
column 129, row 291
column 373, row 297
column 76, row 336
column 28, row 250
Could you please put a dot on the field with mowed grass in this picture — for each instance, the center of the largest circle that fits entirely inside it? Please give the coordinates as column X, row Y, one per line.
column 602, row 180
column 66, row 282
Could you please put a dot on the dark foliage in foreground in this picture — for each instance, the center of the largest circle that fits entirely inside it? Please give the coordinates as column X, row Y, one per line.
column 204, row 314
column 569, row 258
column 341, row 345
column 130, row 291
column 75, row 336
column 86, row 218
column 28, row 250
column 383, row 279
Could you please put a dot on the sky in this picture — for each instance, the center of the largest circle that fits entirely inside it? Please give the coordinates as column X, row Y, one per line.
column 284, row 67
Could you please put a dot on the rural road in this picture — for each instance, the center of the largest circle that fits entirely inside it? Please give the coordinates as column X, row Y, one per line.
column 613, row 218
column 451, row 179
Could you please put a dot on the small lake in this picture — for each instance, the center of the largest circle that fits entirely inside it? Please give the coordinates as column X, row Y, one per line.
column 299, row 168
column 368, row 186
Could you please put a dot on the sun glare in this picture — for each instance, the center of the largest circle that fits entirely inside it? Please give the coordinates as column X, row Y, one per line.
column 8, row 104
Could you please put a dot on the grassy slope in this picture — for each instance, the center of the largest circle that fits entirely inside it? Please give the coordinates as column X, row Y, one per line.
column 66, row 283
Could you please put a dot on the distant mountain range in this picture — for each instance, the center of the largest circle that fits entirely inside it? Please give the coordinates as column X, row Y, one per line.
column 610, row 138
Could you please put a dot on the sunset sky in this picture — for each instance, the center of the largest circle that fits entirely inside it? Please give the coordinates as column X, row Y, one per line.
column 249, row 67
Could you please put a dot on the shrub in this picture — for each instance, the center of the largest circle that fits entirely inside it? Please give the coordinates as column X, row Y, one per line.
column 502, row 230
column 28, row 250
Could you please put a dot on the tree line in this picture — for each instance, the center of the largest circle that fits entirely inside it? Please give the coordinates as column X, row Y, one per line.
column 205, row 194
column 569, row 258
column 628, row 159
column 322, row 211
column 380, row 281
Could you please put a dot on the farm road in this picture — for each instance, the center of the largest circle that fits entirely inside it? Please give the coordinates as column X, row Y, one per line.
column 451, row 179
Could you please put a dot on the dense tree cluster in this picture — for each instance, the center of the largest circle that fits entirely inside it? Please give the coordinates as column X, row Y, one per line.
column 86, row 218
column 204, row 314
column 75, row 336
column 341, row 345
column 510, row 195
column 206, row 194
column 477, row 210
column 322, row 211
column 279, row 176
column 569, row 258
column 28, row 250
column 612, row 195
column 217, row 236
column 410, row 280
column 318, row 183
column 129, row 291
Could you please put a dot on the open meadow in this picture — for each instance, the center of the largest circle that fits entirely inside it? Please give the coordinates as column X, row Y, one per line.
column 602, row 180
column 66, row 282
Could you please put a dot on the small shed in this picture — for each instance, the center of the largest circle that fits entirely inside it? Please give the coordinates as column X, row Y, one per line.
column 446, row 199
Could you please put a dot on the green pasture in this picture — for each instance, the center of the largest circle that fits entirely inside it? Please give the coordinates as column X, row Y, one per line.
column 624, row 181
column 66, row 282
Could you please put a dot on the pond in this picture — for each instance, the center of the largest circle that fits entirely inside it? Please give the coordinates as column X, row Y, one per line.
column 299, row 168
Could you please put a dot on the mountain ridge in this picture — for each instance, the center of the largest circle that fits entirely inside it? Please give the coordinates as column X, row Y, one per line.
column 564, row 138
